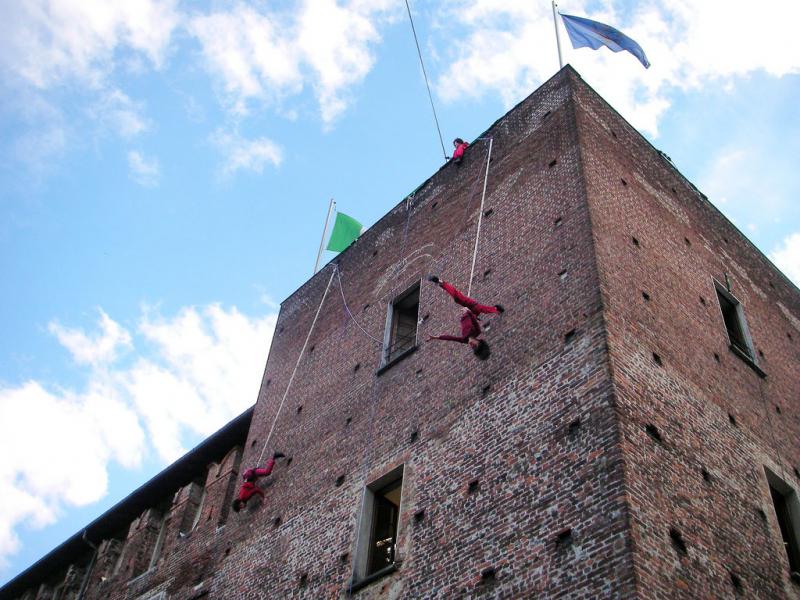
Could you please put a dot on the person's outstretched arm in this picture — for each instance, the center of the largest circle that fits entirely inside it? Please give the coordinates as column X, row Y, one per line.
column 450, row 338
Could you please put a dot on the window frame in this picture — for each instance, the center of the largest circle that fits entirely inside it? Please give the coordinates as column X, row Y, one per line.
column 790, row 495
column 388, row 355
column 159, row 542
column 748, row 352
column 363, row 574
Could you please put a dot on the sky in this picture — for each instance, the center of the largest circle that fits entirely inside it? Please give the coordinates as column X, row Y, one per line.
column 166, row 167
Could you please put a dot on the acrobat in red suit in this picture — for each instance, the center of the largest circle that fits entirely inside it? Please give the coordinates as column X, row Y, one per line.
column 460, row 145
column 249, row 487
column 470, row 326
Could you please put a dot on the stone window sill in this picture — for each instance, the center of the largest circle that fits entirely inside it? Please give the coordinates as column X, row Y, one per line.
column 396, row 360
column 362, row 583
column 747, row 360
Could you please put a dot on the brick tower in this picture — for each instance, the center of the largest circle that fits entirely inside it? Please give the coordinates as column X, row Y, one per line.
column 634, row 434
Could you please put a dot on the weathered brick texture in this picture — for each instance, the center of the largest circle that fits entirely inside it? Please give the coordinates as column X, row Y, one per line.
column 535, row 474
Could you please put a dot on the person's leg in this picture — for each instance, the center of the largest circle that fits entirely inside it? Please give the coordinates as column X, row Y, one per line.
column 267, row 468
column 479, row 309
column 456, row 295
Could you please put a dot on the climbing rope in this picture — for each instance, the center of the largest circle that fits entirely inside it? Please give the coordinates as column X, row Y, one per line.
column 347, row 309
column 480, row 216
column 364, row 473
column 297, row 364
column 427, row 85
column 775, row 447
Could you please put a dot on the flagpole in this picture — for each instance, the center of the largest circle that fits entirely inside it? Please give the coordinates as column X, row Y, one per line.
column 558, row 37
column 331, row 208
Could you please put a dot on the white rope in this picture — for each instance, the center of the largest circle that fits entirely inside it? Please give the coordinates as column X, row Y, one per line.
column 297, row 364
column 347, row 308
column 480, row 217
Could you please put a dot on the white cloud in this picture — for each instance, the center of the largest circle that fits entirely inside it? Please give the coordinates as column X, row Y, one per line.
column 76, row 436
column 508, row 47
column 787, row 257
column 194, row 372
column 44, row 42
column 267, row 56
column 144, row 171
column 211, row 362
column 121, row 114
column 101, row 348
column 241, row 154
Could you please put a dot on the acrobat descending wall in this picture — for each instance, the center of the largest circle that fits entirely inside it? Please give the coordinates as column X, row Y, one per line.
column 626, row 438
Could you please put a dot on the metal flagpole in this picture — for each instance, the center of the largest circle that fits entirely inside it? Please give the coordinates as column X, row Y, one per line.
column 331, row 208
column 558, row 37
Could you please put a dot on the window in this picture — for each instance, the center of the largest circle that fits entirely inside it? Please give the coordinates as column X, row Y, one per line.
column 733, row 315
column 401, row 325
column 199, row 511
column 162, row 531
column 787, row 511
column 377, row 535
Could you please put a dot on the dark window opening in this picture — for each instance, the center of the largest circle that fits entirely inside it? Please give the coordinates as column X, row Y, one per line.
column 385, row 516
column 653, row 432
column 401, row 326
column 736, row 582
column 787, row 510
column 374, row 555
column 677, row 542
column 733, row 316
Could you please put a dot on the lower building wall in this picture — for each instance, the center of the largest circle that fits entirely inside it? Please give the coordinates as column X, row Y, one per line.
column 516, row 493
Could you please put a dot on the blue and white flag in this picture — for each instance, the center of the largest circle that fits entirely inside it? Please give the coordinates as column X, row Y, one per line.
column 587, row 33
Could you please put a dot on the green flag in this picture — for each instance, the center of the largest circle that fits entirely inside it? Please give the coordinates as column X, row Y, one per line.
column 345, row 231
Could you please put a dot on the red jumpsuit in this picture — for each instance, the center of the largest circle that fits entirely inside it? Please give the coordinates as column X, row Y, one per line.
column 466, row 301
column 249, row 488
column 458, row 153
column 470, row 326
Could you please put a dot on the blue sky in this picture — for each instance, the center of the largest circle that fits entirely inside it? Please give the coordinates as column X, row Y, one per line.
column 165, row 168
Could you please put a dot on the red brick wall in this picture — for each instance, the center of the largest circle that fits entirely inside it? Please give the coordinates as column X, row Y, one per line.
column 573, row 498
column 727, row 523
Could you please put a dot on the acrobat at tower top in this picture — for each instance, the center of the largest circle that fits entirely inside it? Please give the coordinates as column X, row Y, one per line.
column 635, row 432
